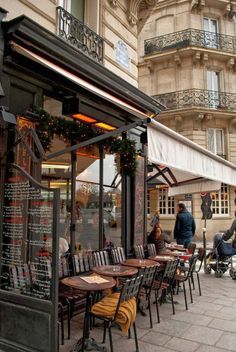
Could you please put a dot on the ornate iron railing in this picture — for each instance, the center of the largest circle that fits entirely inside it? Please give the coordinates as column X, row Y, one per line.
column 190, row 37
column 79, row 35
column 198, row 98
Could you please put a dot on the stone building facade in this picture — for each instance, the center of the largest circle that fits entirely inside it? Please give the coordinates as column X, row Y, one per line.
column 117, row 22
column 187, row 61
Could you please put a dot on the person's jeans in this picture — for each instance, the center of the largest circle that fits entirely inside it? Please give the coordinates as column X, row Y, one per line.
column 184, row 241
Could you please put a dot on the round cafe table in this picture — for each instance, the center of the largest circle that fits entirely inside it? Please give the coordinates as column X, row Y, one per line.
column 161, row 258
column 77, row 282
column 115, row 270
column 139, row 263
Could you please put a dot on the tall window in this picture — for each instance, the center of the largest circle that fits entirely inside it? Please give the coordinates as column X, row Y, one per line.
column 213, row 87
column 75, row 7
column 216, row 141
column 211, row 32
column 166, row 204
column 220, row 201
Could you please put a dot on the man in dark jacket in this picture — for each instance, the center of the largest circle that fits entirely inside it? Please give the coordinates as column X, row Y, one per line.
column 184, row 226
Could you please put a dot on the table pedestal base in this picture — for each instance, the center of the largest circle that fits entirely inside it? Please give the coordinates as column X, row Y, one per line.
column 89, row 345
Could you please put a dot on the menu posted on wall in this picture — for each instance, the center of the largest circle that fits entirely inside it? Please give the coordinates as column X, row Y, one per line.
column 139, row 203
column 27, row 228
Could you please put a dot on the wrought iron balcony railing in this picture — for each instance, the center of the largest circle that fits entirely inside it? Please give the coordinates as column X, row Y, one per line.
column 198, row 98
column 79, row 35
column 190, row 37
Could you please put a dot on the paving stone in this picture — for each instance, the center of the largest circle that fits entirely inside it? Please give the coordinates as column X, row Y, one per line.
column 220, row 315
column 182, row 345
column 224, row 302
column 171, row 327
column 156, row 338
column 202, row 334
column 229, row 311
column 210, row 306
column 227, row 341
column 189, row 317
column 229, row 326
column 129, row 346
column 206, row 348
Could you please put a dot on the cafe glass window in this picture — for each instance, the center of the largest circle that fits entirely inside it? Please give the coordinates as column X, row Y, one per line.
column 216, row 141
column 220, row 201
column 166, row 204
column 111, row 201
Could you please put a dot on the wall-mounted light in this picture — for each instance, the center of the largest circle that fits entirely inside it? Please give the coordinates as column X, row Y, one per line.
column 84, row 118
column 105, row 126
column 64, row 166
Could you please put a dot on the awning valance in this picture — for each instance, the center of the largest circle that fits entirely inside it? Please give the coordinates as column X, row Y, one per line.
column 189, row 161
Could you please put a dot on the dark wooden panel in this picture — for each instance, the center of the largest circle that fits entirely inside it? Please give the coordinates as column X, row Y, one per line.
column 28, row 328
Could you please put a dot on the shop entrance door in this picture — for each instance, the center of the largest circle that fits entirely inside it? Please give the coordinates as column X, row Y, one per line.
column 28, row 274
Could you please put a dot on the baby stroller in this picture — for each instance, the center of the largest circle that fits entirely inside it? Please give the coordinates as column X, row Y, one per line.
column 220, row 259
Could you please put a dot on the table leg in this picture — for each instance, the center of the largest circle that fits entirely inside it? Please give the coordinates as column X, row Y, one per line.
column 86, row 343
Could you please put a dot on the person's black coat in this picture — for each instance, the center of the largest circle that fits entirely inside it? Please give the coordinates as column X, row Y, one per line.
column 184, row 226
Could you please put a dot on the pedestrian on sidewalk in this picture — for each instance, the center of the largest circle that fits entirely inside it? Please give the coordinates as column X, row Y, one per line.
column 185, row 226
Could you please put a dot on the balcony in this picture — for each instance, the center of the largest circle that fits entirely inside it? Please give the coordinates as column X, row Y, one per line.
column 198, row 98
column 79, row 35
column 190, row 37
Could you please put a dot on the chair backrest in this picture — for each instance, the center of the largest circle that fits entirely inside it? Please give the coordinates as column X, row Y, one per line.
column 151, row 250
column 170, row 270
column 200, row 256
column 192, row 247
column 101, row 258
column 82, row 263
column 149, row 275
column 192, row 265
column 139, row 252
column 118, row 255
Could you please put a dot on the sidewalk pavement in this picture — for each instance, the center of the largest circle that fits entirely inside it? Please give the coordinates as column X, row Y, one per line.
column 208, row 326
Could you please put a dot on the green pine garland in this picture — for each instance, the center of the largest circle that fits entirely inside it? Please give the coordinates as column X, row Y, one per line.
column 72, row 131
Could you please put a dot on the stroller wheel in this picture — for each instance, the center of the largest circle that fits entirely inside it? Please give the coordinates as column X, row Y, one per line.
column 208, row 270
column 218, row 273
column 232, row 273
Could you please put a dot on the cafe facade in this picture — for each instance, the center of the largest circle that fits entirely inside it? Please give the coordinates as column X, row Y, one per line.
column 73, row 166
column 73, row 145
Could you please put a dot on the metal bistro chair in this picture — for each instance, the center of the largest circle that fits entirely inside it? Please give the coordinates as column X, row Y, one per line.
column 165, row 284
column 101, row 258
column 130, row 289
column 200, row 257
column 192, row 248
column 118, row 255
column 187, row 276
column 151, row 250
column 139, row 251
column 82, row 263
column 149, row 275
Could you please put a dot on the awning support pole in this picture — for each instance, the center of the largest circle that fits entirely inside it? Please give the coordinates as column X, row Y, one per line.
column 73, row 202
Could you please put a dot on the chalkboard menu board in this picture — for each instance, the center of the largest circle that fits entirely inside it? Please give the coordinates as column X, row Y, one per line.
column 139, row 203
column 27, row 231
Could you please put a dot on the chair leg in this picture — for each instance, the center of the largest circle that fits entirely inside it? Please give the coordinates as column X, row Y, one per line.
column 150, row 311
column 110, row 337
column 129, row 334
column 62, row 328
column 190, row 289
column 157, row 307
column 135, row 337
column 172, row 300
column 199, row 285
column 68, row 322
column 104, row 332
column 185, row 297
column 193, row 283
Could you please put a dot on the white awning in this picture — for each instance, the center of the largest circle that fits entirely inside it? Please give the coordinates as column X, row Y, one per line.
column 188, row 162
column 197, row 187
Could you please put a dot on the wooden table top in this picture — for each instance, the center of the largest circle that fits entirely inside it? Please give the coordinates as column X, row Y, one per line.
column 115, row 270
column 178, row 254
column 161, row 258
column 139, row 263
column 78, row 283
column 176, row 248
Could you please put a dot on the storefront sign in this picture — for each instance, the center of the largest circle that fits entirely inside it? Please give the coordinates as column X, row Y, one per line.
column 122, row 54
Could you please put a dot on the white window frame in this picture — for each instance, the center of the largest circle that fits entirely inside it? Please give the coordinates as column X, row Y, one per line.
column 211, row 37
column 166, row 206
column 215, row 141
column 223, row 205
